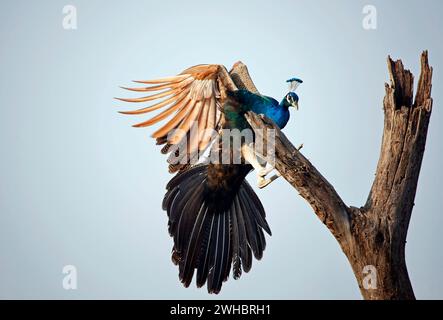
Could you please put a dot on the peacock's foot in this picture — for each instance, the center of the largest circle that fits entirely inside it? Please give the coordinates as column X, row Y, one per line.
column 263, row 182
column 299, row 147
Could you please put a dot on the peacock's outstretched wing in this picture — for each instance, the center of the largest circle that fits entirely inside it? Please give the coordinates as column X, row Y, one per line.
column 191, row 99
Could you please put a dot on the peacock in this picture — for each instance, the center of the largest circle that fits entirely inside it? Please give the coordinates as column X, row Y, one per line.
column 216, row 220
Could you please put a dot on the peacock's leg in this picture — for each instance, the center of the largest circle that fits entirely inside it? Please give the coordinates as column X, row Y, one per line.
column 259, row 165
column 250, row 156
column 266, row 170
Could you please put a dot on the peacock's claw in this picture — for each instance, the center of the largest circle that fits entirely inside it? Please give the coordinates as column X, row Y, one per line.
column 262, row 182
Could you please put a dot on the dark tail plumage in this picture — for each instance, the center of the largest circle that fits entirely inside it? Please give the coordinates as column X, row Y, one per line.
column 215, row 224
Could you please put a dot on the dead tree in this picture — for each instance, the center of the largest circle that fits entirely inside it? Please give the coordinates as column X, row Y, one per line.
column 374, row 234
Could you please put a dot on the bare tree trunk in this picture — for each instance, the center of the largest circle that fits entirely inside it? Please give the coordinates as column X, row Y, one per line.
column 373, row 237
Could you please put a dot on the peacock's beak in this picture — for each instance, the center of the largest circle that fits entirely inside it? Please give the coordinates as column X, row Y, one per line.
column 295, row 105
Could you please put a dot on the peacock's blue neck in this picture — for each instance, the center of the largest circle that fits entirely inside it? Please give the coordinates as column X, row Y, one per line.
column 277, row 112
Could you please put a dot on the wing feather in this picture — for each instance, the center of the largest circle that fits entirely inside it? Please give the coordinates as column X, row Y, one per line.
column 152, row 88
column 177, row 78
column 155, row 106
column 209, row 126
column 171, row 124
column 192, row 97
column 187, row 123
column 176, row 106
column 153, row 97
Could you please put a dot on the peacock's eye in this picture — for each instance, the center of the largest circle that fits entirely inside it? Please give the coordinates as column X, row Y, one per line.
column 289, row 99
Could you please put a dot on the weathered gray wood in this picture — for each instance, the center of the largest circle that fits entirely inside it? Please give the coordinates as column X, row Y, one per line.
column 374, row 234
column 303, row 176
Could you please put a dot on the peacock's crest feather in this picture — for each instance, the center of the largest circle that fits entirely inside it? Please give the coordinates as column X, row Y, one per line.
column 294, row 83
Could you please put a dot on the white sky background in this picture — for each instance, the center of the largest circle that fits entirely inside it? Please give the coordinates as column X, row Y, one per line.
column 80, row 186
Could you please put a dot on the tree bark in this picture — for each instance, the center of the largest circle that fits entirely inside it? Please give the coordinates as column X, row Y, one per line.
column 373, row 236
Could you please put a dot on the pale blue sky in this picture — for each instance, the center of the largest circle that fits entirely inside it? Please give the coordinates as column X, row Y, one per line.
column 80, row 186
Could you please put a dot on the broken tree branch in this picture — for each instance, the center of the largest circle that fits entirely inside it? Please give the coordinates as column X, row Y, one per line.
column 304, row 177
column 372, row 237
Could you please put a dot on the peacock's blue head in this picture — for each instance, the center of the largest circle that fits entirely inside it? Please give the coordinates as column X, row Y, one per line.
column 291, row 99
